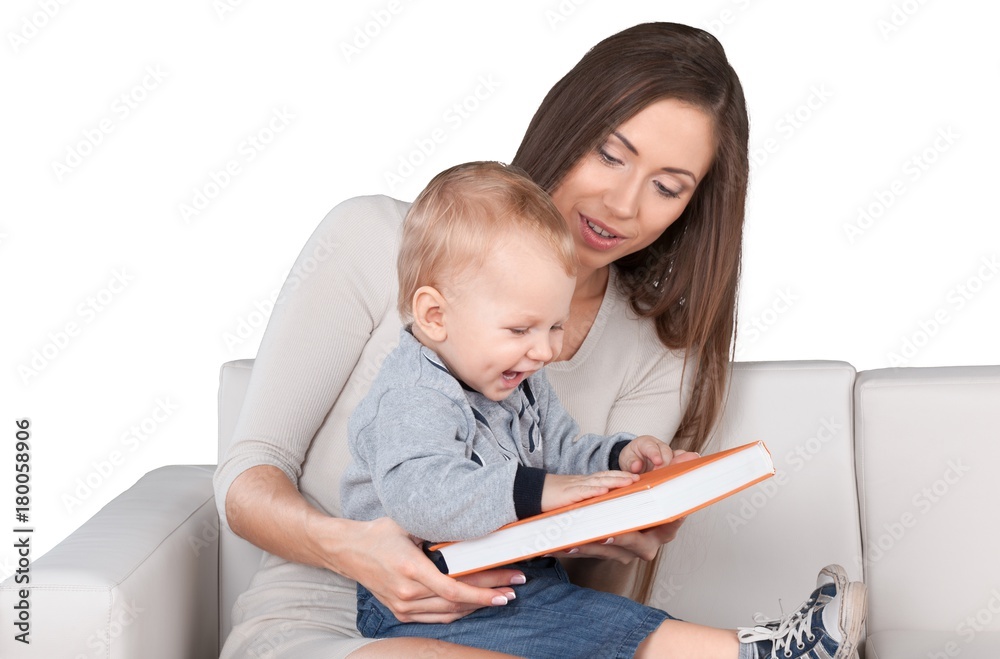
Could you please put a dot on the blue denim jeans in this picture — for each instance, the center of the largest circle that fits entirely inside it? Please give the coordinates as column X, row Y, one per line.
column 549, row 619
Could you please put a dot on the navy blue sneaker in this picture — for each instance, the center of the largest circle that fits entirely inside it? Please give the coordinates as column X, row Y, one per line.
column 827, row 626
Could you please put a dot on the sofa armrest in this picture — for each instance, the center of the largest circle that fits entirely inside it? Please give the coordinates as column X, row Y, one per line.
column 138, row 579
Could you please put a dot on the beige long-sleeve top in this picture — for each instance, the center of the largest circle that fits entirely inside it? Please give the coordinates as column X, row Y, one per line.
column 334, row 322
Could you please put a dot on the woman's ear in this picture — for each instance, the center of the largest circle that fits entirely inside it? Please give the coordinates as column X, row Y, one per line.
column 428, row 313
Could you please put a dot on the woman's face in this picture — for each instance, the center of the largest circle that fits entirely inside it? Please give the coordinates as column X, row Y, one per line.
column 622, row 196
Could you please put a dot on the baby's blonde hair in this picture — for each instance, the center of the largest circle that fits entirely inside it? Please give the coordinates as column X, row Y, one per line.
column 461, row 217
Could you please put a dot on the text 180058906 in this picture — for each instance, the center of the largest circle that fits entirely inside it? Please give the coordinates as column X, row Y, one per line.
column 22, row 511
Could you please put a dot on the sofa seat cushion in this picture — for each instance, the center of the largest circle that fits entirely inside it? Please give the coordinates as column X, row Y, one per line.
column 964, row 641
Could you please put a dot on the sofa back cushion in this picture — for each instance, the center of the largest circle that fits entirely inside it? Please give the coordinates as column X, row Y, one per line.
column 928, row 447
column 760, row 550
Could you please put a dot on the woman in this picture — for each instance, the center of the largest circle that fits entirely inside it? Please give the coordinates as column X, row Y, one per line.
column 643, row 146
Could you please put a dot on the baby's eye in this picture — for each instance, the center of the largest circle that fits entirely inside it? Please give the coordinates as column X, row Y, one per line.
column 518, row 331
column 557, row 328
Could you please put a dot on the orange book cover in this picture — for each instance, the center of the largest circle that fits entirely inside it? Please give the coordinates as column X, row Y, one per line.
column 646, row 481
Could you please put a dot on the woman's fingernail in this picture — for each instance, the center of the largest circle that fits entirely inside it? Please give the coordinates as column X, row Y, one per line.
column 512, row 595
column 573, row 550
column 518, row 579
column 499, row 600
column 609, row 541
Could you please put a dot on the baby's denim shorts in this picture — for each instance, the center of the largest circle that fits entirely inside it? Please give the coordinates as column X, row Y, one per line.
column 550, row 618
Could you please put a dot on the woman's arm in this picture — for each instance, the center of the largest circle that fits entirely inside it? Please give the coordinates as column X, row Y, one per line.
column 340, row 288
column 265, row 508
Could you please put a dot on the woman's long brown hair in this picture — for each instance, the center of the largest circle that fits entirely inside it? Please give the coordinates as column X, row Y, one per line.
column 686, row 280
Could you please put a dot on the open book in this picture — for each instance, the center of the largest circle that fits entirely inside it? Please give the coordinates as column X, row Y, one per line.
column 659, row 496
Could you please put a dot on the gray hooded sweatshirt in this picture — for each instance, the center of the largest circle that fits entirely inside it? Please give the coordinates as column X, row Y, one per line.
column 447, row 463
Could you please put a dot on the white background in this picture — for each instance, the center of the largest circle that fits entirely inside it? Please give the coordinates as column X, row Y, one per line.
column 842, row 97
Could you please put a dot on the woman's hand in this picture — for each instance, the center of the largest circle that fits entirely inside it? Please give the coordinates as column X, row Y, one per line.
column 644, row 544
column 389, row 563
column 627, row 547
column 264, row 507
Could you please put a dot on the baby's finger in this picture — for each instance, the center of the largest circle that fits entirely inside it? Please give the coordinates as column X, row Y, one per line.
column 620, row 479
column 611, row 479
column 656, row 453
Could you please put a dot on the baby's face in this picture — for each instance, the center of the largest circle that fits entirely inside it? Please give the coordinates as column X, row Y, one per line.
column 505, row 321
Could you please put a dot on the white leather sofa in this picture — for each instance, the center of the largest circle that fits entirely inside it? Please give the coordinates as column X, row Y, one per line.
column 893, row 473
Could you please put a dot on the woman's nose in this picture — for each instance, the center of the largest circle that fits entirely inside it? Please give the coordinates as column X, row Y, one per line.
column 622, row 199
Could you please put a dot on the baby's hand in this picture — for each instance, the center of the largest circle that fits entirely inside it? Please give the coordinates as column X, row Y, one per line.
column 644, row 453
column 560, row 490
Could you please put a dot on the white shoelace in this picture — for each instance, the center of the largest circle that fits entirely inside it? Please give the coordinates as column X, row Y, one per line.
column 781, row 632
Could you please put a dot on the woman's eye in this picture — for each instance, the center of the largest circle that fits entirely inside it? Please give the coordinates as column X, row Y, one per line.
column 665, row 191
column 607, row 157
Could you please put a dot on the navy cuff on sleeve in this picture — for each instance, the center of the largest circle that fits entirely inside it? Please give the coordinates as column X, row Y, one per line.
column 616, row 452
column 528, row 484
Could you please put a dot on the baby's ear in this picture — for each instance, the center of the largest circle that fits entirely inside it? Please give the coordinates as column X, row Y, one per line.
column 428, row 313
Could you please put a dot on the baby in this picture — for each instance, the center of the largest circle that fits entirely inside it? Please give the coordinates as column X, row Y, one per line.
column 461, row 432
